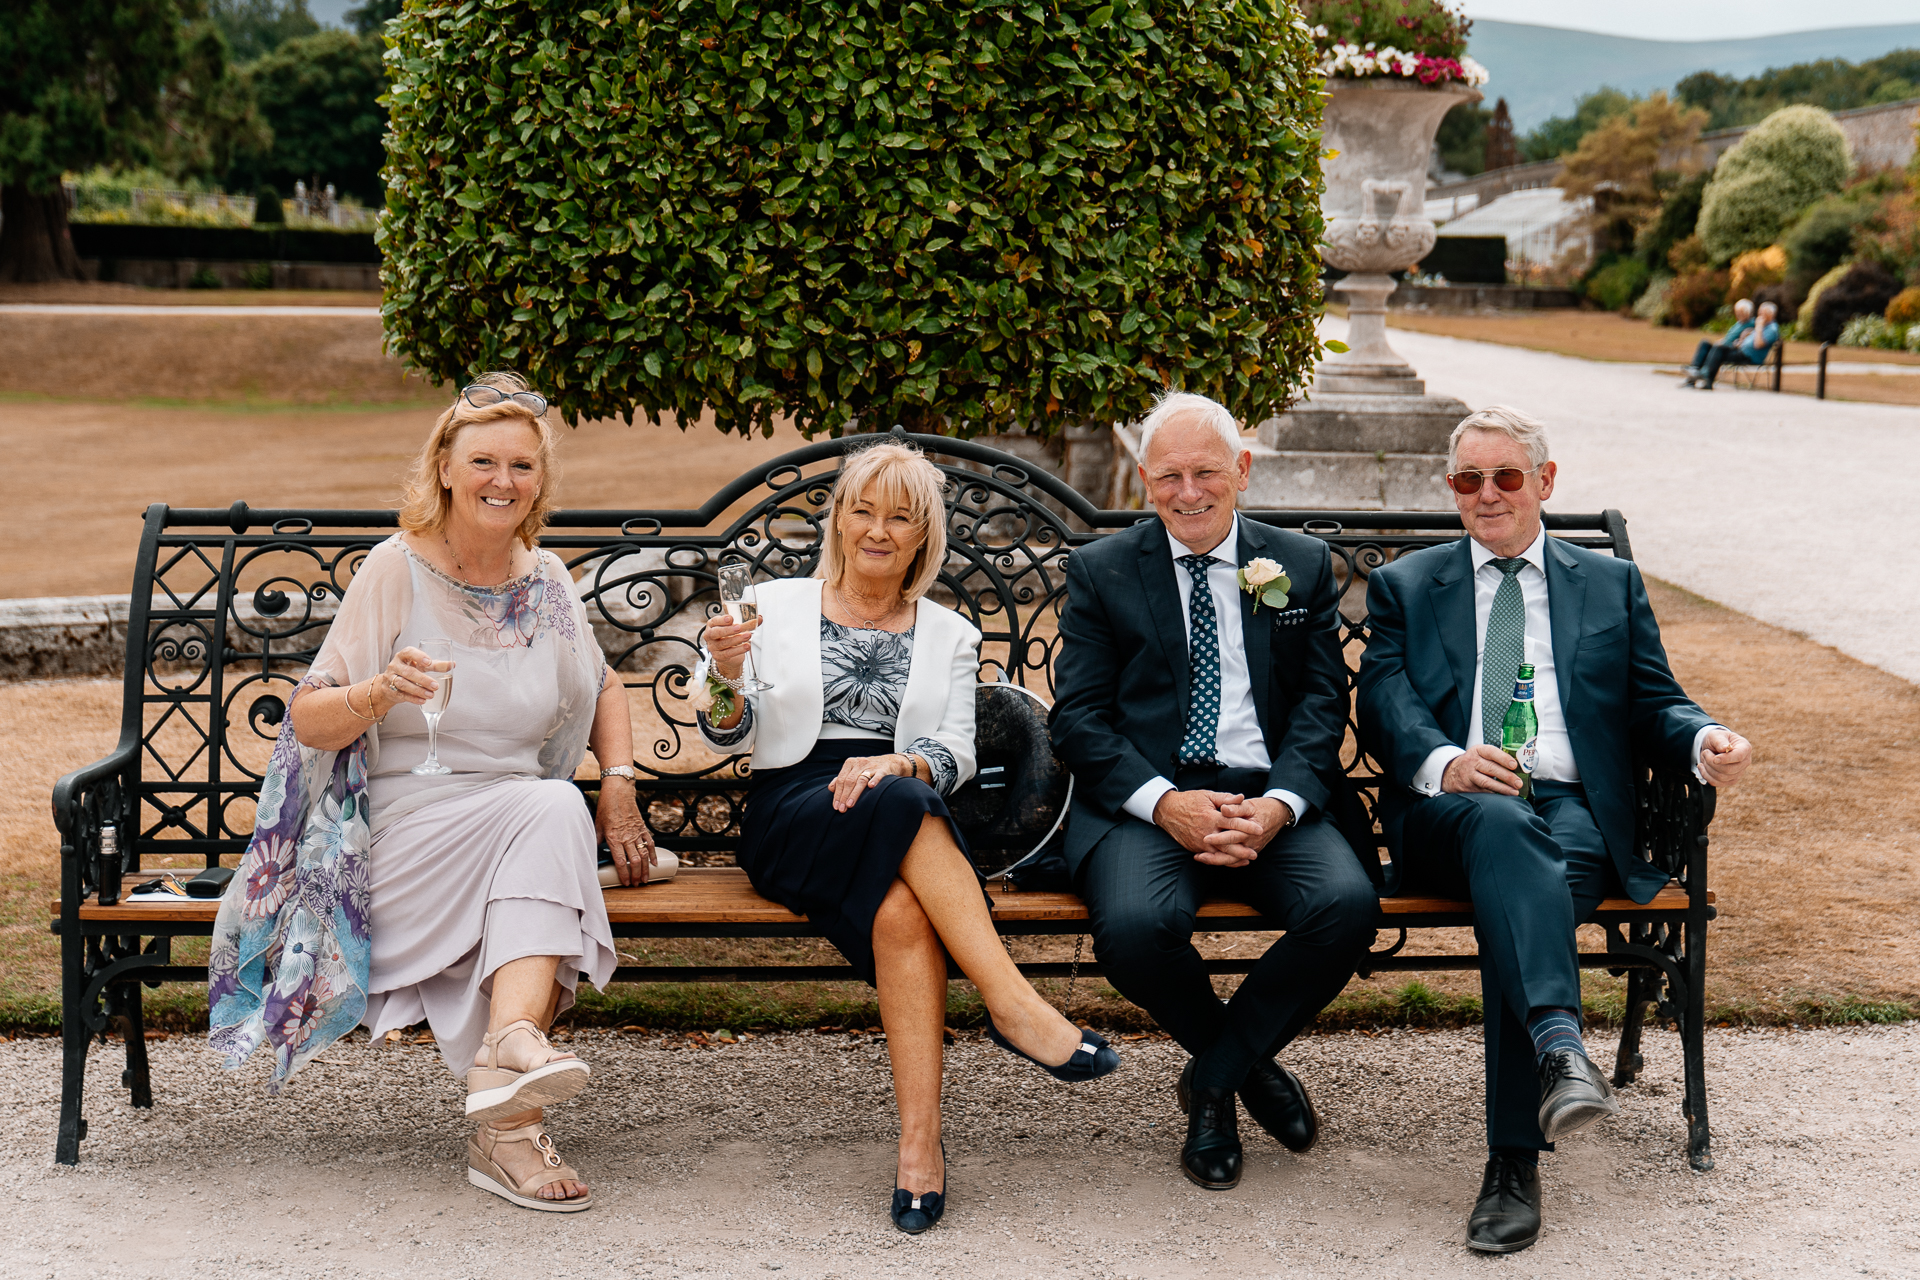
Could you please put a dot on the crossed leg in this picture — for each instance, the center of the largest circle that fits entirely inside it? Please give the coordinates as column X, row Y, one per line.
column 934, row 911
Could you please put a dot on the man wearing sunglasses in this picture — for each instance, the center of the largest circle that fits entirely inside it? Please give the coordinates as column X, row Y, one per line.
column 1449, row 627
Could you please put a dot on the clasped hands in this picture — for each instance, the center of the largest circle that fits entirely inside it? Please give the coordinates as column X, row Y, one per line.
column 1220, row 829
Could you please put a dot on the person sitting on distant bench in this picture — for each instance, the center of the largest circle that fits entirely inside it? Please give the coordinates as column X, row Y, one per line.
column 1742, row 323
column 1751, row 349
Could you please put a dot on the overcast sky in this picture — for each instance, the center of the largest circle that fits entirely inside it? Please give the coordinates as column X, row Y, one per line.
column 1695, row 19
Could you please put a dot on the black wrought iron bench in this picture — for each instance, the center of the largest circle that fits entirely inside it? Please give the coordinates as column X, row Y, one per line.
column 229, row 606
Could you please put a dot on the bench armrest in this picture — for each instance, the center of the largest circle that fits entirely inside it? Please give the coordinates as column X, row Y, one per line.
column 84, row 801
column 1672, row 810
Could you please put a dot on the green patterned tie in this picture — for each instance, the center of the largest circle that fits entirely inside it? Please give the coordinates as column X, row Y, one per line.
column 1505, row 650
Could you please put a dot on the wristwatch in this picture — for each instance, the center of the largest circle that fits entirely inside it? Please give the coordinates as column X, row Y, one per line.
column 626, row 771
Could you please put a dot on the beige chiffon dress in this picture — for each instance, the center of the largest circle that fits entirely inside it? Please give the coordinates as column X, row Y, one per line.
column 496, row 860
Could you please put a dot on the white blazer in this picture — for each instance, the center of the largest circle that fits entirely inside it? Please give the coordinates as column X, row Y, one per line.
column 786, row 653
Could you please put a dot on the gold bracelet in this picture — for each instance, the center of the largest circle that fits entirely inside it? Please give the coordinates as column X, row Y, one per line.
column 368, row 719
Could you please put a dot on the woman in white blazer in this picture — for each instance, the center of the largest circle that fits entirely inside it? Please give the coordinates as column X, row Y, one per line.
column 867, row 726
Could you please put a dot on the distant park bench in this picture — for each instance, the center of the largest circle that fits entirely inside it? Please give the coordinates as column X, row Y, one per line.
column 229, row 607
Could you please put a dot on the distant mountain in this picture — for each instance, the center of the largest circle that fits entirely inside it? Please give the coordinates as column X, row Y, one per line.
column 1542, row 71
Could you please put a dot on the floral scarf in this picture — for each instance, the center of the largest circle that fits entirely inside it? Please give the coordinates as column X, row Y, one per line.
column 292, row 945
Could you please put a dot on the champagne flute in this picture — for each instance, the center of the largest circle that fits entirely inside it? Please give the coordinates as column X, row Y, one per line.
column 737, row 595
column 440, row 651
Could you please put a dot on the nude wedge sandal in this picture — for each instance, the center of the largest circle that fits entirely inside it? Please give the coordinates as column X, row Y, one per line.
column 487, row 1173
column 494, row 1091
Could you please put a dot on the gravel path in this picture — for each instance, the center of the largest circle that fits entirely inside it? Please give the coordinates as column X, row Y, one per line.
column 775, row 1155
column 1781, row 506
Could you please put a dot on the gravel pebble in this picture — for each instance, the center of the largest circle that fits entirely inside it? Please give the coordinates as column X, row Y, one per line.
column 775, row 1154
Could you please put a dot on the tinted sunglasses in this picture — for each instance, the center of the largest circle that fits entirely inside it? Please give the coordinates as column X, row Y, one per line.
column 1506, row 479
column 480, row 396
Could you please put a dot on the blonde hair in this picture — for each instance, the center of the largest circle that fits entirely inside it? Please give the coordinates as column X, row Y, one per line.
column 427, row 501
column 904, row 477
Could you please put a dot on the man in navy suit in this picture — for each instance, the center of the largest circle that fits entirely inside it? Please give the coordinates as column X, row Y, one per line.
column 1204, row 732
column 1448, row 627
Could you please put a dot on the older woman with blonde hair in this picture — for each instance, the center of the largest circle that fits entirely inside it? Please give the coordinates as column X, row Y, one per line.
column 866, row 726
column 403, row 870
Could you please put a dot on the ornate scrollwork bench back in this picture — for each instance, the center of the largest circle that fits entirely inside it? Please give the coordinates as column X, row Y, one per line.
column 230, row 606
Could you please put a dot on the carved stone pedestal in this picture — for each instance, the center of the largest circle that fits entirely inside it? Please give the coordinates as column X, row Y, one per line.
column 1368, row 436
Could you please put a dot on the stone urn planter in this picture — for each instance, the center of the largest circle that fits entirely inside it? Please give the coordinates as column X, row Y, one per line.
column 1368, row 437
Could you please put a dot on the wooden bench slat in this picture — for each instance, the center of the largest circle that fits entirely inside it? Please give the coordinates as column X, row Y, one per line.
column 721, row 895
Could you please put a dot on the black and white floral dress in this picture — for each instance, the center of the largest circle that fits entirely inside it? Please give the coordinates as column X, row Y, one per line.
column 835, row 868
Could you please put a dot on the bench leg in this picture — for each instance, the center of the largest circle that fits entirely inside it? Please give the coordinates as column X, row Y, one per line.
column 124, row 1013
column 1642, row 987
column 74, row 1039
column 1693, row 1039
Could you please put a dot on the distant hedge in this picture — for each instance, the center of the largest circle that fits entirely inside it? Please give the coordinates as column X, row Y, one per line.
column 220, row 244
column 963, row 215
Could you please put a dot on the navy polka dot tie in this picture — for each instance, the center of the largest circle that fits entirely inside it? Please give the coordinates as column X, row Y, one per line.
column 1203, row 650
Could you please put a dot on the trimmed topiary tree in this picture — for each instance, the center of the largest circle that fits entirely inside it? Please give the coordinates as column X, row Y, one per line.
column 963, row 215
column 1789, row 160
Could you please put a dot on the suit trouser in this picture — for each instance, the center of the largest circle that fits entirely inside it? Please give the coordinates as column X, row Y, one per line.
column 1142, row 891
column 1533, row 872
column 1721, row 356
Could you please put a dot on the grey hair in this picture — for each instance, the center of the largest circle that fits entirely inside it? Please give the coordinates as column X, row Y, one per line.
column 1529, row 433
column 1770, row 305
column 1175, row 406
column 1744, row 302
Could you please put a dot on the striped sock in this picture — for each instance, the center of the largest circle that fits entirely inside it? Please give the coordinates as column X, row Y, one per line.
column 1555, row 1029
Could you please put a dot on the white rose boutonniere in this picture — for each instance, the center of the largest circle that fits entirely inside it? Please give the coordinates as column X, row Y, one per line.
column 1266, row 582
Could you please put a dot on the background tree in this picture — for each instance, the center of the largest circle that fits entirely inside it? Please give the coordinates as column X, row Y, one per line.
column 320, row 94
column 1627, row 164
column 91, row 82
column 372, row 17
column 1830, row 83
column 1499, row 151
column 965, row 218
column 1555, row 137
column 1462, row 138
column 1789, row 160
column 255, row 28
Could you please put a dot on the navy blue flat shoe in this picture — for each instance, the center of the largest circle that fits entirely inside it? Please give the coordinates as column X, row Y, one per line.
column 1093, row 1059
column 915, row 1213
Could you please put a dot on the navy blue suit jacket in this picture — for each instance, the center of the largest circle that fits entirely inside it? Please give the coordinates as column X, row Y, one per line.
column 1621, row 702
column 1122, row 674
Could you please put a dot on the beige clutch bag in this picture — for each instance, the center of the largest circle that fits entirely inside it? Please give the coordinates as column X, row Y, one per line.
column 666, row 865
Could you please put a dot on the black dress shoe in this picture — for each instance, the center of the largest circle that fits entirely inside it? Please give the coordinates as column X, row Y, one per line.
column 1573, row 1094
column 1506, row 1218
column 1276, row 1100
column 1278, row 1103
column 1211, row 1158
column 915, row 1213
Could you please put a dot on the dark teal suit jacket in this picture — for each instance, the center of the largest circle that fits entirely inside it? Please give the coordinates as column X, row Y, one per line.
column 1623, row 707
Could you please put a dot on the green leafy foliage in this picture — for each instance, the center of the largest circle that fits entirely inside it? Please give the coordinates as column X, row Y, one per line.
column 1830, row 83
column 1462, row 138
column 1617, row 285
column 1559, row 135
column 255, row 28
column 321, row 96
column 962, row 215
column 1789, row 160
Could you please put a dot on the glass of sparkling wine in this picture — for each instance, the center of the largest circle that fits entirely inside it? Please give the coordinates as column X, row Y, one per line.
column 737, row 595
column 439, row 651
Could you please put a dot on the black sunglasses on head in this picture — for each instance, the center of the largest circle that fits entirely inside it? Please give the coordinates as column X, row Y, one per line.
column 480, row 396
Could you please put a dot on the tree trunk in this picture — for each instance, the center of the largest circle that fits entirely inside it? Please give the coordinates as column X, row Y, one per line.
column 34, row 242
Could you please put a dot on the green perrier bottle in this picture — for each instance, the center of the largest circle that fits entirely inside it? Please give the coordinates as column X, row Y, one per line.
column 1520, row 729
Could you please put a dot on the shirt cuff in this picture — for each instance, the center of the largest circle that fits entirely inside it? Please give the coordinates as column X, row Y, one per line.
column 1140, row 803
column 1427, row 780
column 1292, row 802
column 1699, row 743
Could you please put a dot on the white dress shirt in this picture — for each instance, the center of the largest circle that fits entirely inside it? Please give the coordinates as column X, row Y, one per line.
column 1237, row 740
column 1556, row 763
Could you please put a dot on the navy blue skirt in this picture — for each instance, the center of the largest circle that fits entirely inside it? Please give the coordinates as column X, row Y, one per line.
column 833, row 868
